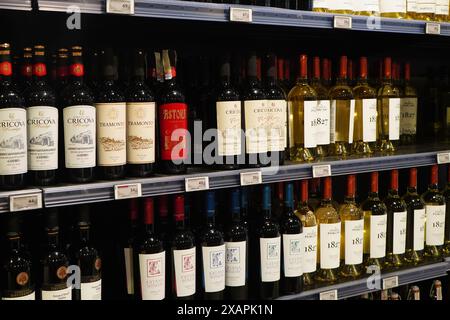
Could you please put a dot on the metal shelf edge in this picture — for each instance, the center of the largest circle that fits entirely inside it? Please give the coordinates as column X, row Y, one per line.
column 16, row 5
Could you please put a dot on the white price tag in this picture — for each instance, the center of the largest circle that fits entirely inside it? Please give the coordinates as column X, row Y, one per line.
column 196, row 184
column 433, row 28
column 24, row 202
column 120, row 6
column 329, row 295
column 249, row 178
column 321, row 171
column 127, row 191
column 389, row 283
column 443, row 157
column 241, row 15
column 342, row 22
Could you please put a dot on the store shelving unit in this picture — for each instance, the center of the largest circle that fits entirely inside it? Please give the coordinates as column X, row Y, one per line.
column 16, row 5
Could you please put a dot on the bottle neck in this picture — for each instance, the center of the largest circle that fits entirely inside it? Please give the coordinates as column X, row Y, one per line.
column 373, row 195
column 236, row 215
column 14, row 242
column 393, row 192
column 412, row 190
column 84, row 234
column 211, row 219
column 149, row 228
column 53, row 238
column 350, row 199
column 179, row 223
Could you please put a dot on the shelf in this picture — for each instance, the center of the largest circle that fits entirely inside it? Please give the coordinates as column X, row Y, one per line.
column 16, row 4
column 6, row 195
column 173, row 9
column 360, row 286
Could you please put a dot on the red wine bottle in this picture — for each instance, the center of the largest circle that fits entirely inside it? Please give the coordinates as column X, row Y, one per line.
column 26, row 69
column 62, row 70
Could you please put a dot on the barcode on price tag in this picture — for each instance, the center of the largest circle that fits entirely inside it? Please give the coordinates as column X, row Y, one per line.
column 127, row 191
column 321, row 171
column 433, row 28
column 120, row 6
column 389, row 283
column 249, row 178
column 241, row 15
column 443, row 157
column 342, row 22
column 196, row 184
column 329, row 295
column 25, row 202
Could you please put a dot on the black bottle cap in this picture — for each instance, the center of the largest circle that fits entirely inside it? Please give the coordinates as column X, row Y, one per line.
column 83, row 215
column 51, row 219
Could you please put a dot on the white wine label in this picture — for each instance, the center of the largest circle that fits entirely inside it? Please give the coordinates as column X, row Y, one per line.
column 354, row 235
column 435, row 225
column 394, row 118
column 140, row 132
column 408, row 115
column 351, row 122
column 442, row 7
column 111, row 134
column 389, row 6
column 378, row 229
column 184, row 265
column 79, row 136
column 343, row 5
column 229, row 127
column 13, row 141
column 256, row 140
column 91, row 290
column 366, row 5
column 309, row 262
column 426, row 6
column 152, row 270
column 333, row 121
column 63, row 294
column 322, row 4
column 369, row 116
column 214, row 268
column 399, row 239
column 270, row 258
column 129, row 269
column 292, row 254
column 309, row 123
column 276, row 124
column 419, row 229
column 330, row 245
column 322, row 125
column 31, row 296
column 235, row 263
column 412, row 5
column 42, row 125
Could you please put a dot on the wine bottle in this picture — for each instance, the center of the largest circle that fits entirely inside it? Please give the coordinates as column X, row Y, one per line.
column 62, row 70
column 236, row 254
column 411, row 9
column 269, row 250
column 415, row 229
column 425, row 10
column 54, row 263
column 281, row 79
column 352, row 234
column 326, row 73
column 341, row 7
column 131, row 276
column 141, row 121
column 366, row 8
column 393, row 9
column 244, row 207
column 413, row 293
column 13, row 132
column 408, row 110
column 442, row 11
column 278, row 202
column 291, row 230
column 26, row 69
column 329, row 246
column 321, row 5
column 79, row 122
column 314, row 199
column 396, row 224
column 165, row 228
column 446, row 193
column 436, row 290
column 42, row 124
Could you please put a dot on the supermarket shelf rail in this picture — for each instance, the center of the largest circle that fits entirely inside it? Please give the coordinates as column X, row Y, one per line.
column 16, row 5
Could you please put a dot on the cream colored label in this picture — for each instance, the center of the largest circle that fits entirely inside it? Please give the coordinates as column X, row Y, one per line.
column 276, row 124
column 111, row 134
column 321, row 4
column 255, row 126
column 369, row 110
column 13, row 144
column 229, row 127
column 333, row 121
column 235, row 263
column 270, row 252
column 378, row 228
column 309, row 112
column 399, row 238
column 408, row 115
column 292, row 254
column 343, row 5
column 309, row 263
column 435, row 225
column 63, row 294
column 214, row 268
column 91, row 290
column 322, row 128
column 389, row 6
column 330, row 245
column 426, row 6
column 442, row 7
column 394, row 118
column 419, row 229
column 366, row 5
column 184, row 268
column 141, row 132
column 412, row 6
column 31, row 296
column 354, row 234
column 152, row 270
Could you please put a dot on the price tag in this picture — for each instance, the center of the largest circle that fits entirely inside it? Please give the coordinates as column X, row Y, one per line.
column 320, row 171
column 329, row 295
column 120, row 6
column 196, row 184
column 443, row 157
column 390, row 283
column 249, row 178
column 342, row 22
column 127, row 191
column 24, row 202
column 433, row 28
column 241, row 15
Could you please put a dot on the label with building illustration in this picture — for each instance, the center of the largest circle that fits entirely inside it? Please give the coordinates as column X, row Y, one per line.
column 13, row 144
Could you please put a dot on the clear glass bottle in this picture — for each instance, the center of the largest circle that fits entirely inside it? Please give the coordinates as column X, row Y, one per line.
column 408, row 110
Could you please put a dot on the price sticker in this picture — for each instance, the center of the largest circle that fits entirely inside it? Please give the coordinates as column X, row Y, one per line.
column 127, row 191
column 120, row 6
column 443, row 157
column 433, row 28
column 342, row 22
column 389, row 283
column 250, row 178
column 24, row 202
column 196, row 184
column 329, row 295
column 241, row 15
column 321, row 171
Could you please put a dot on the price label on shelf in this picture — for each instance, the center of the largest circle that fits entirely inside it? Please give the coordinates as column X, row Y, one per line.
column 241, row 15
column 320, row 171
column 389, row 283
column 24, row 202
column 443, row 157
column 196, row 184
column 342, row 22
column 329, row 295
column 127, row 191
column 432, row 28
column 120, row 6
column 249, row 178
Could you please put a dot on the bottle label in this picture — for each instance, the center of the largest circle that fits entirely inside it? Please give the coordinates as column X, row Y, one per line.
column 366, row 6
column 292, row 254
column 399, row 245
column 42, row 125
column 173, row 131
column 333, row 121
column 342, row 127
column 419, row 229
column 270, row 259
column 343, row 5
column 255, row 126
column 309, row 113
column 63, row 294
column 31, row 296
column 111, row 134
column 435, row 225
column 354, row 234
column 214, row 268
column 235, row 263
column 13, row 141
column 426, row 6
column 408, row 119
column 79, row 136
column 390, row 6
column 322, row 124
column 140, row 132
column 321, row 4
column 412, row 6
column 152, row 269
column 276, row 125
column 129, row 269
column 184, row 264
column 442, row 7
column 309, row 263
column 330, row 245
column 91, row 290
column 229, row 127
column 369, row 110
column 394, row 118
column 378, row 228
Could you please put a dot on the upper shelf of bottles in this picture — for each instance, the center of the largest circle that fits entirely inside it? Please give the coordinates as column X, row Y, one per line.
column 185, row 10
column 16, row 4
